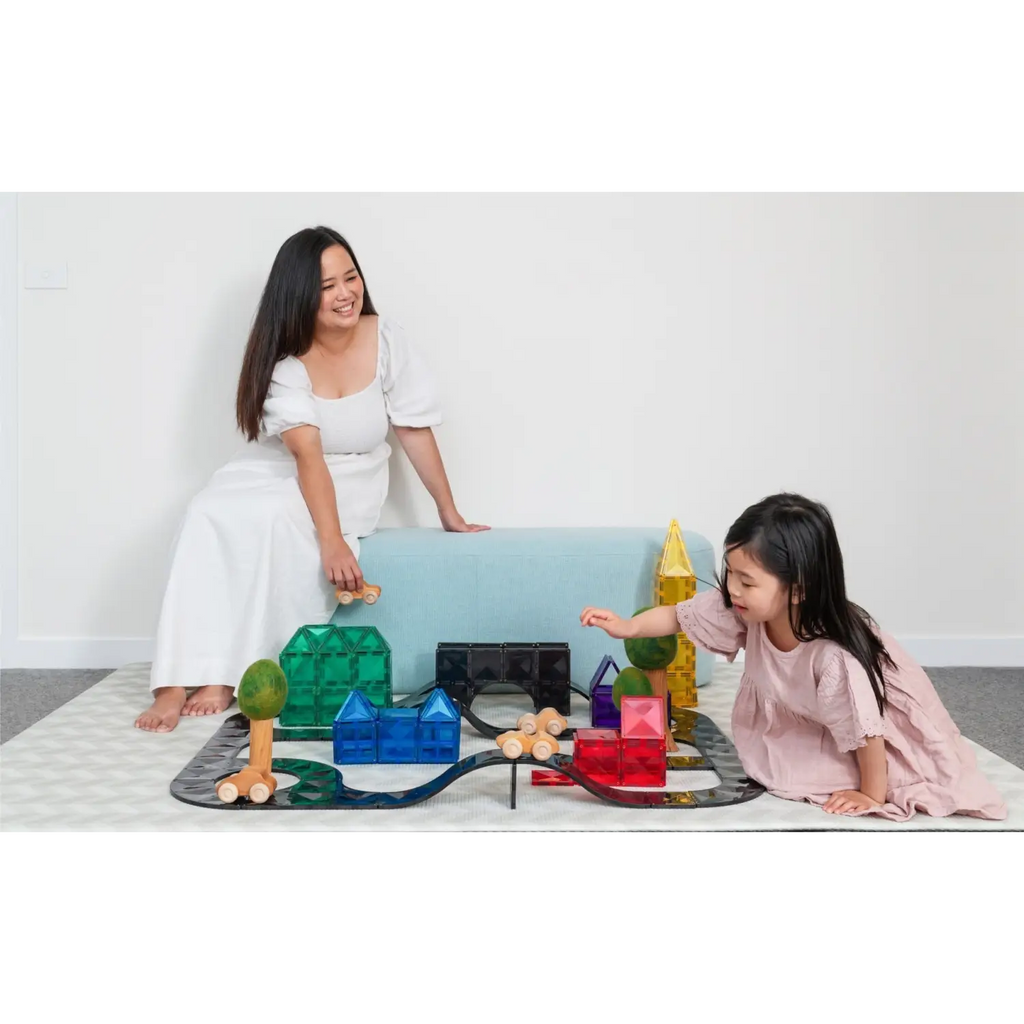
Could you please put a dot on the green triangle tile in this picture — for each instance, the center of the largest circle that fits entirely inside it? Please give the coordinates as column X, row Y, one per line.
column 299, row 643
column 318, row 634
column 371, row 640
column 336, row 643
column 352, row 635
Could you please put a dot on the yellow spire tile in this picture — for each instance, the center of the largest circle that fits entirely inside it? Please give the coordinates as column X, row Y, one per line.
column 674, row 559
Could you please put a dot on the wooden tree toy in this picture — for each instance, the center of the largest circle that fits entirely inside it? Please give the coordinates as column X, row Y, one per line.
column 261, row 695
column 630, row 682
column 653, row 655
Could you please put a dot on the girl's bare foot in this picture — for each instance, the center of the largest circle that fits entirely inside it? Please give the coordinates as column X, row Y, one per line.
column 209, row 700
column 163, row 715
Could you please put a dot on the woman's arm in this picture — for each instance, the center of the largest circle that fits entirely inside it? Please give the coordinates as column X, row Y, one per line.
column 317, row 488
column 421, row 447
column 315, row 480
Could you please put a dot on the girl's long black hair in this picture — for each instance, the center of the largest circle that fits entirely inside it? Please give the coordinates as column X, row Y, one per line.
column 795, row 540
column 286, row 317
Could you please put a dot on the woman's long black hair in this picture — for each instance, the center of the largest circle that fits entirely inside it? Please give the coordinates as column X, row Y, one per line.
column 286, row 317
column 795, row 540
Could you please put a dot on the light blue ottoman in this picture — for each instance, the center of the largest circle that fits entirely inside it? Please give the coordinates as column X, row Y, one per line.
column 521, row 585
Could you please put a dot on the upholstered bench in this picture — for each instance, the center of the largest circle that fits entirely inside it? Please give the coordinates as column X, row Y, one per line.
column 516, row 585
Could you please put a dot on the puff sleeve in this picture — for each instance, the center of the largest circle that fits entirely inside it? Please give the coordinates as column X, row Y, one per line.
column 410, row 393
column 709, row 624
column 289, row 402
column 846, row 703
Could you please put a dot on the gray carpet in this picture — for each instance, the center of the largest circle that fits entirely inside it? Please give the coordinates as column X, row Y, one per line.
column 988, row 706
column 986, row 703
column 29, row 694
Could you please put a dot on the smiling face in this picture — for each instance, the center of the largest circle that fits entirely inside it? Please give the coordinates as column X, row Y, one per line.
column 341, row 291
column 756, row 594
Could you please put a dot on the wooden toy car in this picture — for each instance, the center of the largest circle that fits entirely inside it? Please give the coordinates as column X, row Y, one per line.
column 547, row 720
column 367, row 592
column 538, row 745
column 251, row 782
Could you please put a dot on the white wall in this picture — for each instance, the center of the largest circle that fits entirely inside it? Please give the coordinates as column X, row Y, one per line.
column 605, row 359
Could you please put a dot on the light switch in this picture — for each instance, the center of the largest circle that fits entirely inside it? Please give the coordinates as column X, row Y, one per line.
column 46, row 275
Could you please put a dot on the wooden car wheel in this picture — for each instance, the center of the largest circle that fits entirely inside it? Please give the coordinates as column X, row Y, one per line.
column 512, row 748
column 370, row 598
column 228, row 792
column 542, row 750
column 260, row 793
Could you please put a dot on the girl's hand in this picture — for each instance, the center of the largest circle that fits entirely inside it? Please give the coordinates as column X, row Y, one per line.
column 847, row 801
column 618, row 629
column 340, row 564
column 454, row 523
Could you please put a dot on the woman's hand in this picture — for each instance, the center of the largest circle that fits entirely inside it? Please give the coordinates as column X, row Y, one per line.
column 848, row 801
column 618, row 629
column 340, row 564
column 454, row 523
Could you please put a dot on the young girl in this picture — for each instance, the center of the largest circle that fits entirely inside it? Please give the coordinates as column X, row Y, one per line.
column 829, row 709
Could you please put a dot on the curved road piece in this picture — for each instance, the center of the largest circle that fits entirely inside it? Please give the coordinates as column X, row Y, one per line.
column 322, row 786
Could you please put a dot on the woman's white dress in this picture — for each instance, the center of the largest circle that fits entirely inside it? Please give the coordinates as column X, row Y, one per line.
column 245, row 570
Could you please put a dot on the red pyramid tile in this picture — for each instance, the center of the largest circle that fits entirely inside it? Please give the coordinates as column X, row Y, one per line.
column 643, row 718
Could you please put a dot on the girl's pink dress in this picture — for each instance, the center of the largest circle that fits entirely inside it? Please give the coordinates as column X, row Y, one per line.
column 800, row 715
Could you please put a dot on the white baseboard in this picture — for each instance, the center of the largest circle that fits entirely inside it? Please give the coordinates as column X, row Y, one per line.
column 962, row 651
column 980, row 651
column 113, row 652
column 76, row 652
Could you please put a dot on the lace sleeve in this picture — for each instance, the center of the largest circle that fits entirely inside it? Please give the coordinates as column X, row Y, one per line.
column 846, row 703
column 710, row 625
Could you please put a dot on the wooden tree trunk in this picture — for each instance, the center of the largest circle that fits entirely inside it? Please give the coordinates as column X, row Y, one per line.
column 659, row 684
column 261, row 739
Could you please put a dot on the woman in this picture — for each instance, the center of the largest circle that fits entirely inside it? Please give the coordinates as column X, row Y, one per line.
column 323, row 377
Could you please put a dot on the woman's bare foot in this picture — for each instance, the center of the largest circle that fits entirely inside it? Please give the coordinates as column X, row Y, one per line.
column 209, row 700
column 163, row 715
